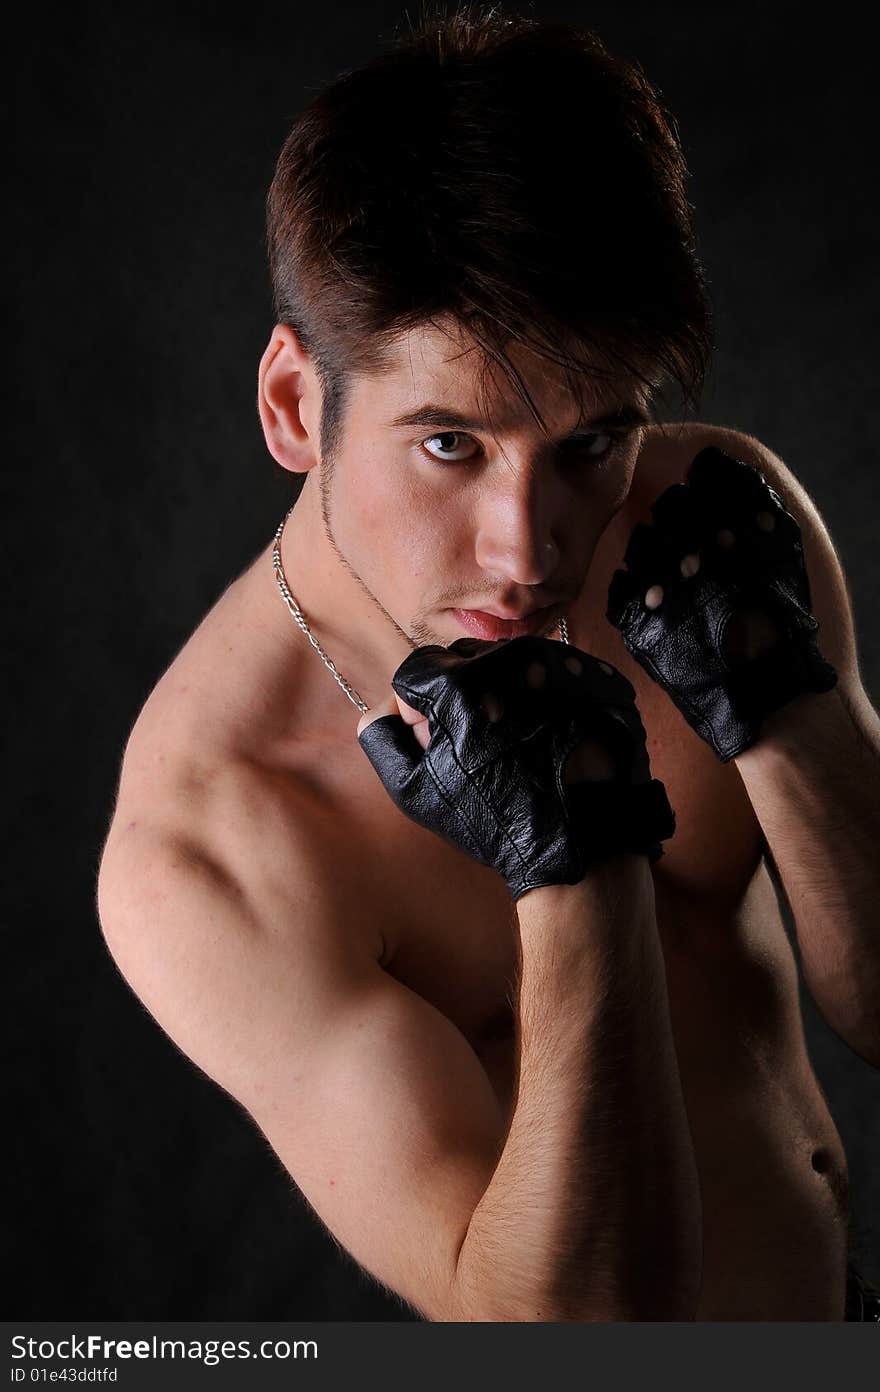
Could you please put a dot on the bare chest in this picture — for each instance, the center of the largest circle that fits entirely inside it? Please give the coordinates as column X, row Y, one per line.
column 449, row 925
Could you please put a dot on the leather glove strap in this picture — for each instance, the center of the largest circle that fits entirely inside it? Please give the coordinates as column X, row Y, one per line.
column 772, row 680
column 619, row 817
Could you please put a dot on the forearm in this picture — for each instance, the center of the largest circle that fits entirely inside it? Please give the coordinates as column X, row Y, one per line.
column 813, row 779
column 593, row 1212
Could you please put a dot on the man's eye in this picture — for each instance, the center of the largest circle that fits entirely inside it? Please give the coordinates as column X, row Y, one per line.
column 449, row 450
column 585, row 445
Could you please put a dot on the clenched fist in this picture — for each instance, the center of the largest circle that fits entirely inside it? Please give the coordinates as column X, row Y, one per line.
column 528, row 754
column 715, row 602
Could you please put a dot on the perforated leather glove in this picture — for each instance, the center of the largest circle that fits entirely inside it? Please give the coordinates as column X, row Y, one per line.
column 744, row 559
column 502, row 719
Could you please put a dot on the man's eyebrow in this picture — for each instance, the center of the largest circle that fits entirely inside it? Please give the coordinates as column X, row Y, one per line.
column 431, row 415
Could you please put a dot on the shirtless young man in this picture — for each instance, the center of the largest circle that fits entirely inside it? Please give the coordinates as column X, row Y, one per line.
column 588, row 1100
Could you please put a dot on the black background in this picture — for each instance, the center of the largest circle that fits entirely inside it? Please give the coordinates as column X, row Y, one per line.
column 140, row 486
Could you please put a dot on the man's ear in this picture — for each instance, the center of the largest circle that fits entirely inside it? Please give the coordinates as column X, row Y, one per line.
column 289, row 401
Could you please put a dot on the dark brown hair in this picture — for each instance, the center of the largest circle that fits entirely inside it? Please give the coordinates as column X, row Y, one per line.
column 508, row 173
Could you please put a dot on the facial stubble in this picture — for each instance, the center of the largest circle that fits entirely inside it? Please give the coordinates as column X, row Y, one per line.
column 421, row 635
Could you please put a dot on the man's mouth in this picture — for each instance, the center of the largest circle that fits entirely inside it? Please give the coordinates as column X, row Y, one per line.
column 492, row 628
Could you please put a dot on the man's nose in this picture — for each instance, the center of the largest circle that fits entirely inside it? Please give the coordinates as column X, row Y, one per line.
column 519, row 531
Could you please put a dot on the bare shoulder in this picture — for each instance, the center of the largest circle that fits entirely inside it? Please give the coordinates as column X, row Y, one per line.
column 669, row 448
column 222, row 910
column 204, row 817
column 213, row 787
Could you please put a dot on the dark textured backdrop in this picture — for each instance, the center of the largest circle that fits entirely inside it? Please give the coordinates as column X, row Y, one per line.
column 141, row 487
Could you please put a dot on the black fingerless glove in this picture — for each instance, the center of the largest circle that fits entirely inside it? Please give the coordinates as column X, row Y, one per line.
column 681, row 643
column 491, row 780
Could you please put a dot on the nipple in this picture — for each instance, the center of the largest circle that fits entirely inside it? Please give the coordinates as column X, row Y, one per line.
column 835, row 1177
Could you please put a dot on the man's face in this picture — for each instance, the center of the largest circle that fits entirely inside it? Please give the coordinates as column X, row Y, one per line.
column 434, row 509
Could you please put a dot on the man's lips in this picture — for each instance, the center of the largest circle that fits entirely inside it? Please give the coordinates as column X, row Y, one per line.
column 492, row 627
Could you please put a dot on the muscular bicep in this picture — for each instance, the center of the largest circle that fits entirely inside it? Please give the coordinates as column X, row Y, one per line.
column 375, row 1103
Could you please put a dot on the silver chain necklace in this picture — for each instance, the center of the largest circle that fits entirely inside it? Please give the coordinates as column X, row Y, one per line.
column 299, row 617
